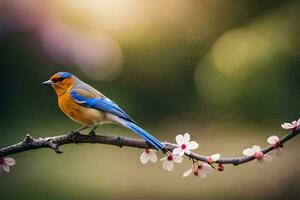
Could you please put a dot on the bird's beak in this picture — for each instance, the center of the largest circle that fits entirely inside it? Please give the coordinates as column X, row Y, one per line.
column 49, row 82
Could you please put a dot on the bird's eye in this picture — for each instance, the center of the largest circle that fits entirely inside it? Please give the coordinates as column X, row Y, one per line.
column 60, row 79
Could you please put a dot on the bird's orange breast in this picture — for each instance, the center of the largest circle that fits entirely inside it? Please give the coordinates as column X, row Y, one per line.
column 83, row 115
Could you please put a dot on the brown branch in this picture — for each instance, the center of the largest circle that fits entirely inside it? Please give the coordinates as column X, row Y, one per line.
column 55, row 142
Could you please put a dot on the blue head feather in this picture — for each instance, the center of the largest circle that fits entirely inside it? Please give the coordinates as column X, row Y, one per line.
column 64, row 74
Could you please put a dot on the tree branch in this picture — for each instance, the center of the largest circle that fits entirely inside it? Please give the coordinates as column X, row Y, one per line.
column 55, row 142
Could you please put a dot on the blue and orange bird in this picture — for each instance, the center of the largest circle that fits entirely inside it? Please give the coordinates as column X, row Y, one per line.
column 87, row 106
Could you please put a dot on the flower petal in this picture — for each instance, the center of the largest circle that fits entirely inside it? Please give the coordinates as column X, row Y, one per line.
column 187, row 173
column 192, row 145
column 256, row 148
column 168, row 165
column 144, row 158
column 171, row 166
column 248, row 152
column 215, row 157
column 176, row 151
column 165, row 164
column 164, row 158
column 202, row 173
column 267, row 158
column 286, row 125
column 298, row 122
column 5, row 167
column 187, row 151
column 153, row 157
column 273, row 139
column 187, row 138
column 9, row 161
column 208, row 168
column 181, row 153
column 179, row 139
column 177, row 159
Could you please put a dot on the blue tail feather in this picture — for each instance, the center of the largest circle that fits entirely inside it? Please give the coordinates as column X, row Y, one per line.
column 149, row 138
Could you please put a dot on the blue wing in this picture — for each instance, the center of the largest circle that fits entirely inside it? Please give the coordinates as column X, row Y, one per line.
column 100, row 103
column 91, row 98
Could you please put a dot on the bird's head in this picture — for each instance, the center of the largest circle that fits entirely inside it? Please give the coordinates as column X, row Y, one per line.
column 61, row 82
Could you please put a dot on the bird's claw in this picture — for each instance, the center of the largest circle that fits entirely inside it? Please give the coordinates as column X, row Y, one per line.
column 91, row 135
column 74, row 136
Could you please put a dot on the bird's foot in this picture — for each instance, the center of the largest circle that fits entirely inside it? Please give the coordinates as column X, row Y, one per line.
column 74, row 135
column 165, row 150
column 91, row 135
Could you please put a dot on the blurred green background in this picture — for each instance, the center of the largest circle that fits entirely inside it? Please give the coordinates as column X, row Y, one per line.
column 224, row 71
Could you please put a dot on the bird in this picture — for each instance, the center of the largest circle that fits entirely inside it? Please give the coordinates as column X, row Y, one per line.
column 87, row 106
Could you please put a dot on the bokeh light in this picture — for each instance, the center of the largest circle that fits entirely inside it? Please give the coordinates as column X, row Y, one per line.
column 238, row 50
column 241, row 51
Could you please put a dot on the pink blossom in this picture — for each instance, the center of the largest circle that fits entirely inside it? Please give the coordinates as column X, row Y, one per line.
column 213, row 158
column 198, row 170
column 257, row 153
column 275, row 142
column 184, row 145
column 291, row 126
column 169, row 160
column 148, row 154
column 6, row 163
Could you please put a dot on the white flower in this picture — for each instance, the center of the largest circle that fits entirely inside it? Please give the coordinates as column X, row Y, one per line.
column 168, row 161
column 184, row 145
column 198, row 170
column 148, row 154
column 6, row 163
column 258, row 154
column 291, row 126
column 275, row 142
column 213, row 158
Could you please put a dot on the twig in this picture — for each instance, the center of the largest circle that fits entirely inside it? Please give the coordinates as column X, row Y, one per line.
column 30, row 143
